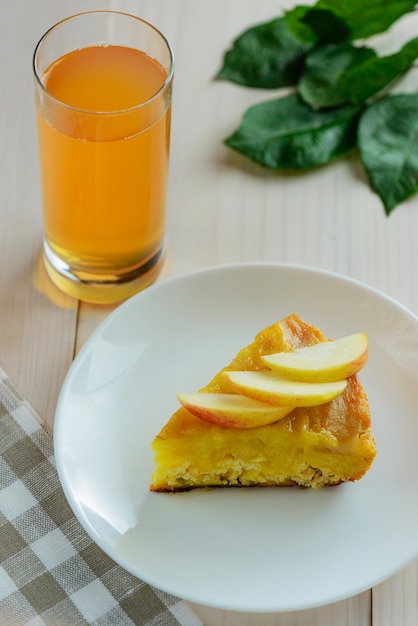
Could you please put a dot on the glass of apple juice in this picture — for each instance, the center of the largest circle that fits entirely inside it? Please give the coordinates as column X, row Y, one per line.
column 103, row 85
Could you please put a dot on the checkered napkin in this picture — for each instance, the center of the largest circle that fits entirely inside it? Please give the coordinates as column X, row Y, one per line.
column 51, row 572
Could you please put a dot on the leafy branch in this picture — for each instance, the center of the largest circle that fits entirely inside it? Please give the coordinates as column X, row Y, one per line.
column 341, row 96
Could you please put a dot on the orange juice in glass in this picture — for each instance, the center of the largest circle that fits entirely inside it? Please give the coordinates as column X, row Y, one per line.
column 103, row 83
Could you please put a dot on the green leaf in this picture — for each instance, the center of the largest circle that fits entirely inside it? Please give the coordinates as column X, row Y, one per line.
column 327, row 26
column 367, row 17
column 388, row 144
column 288, row 134
column 362, row 82
column 353, row 19
column 322, row 84
column 266, row 56
column 343, row 74
column 295, row 20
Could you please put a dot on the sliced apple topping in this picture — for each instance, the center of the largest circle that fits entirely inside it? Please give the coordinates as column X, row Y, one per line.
column 308, row 376
column 324, row 362
column 232, row 410
column 271, row 388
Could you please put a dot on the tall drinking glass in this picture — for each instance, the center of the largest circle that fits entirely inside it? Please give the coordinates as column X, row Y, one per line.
column 103, row 85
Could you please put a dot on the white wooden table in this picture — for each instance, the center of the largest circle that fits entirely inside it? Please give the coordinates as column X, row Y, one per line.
column 221, row 209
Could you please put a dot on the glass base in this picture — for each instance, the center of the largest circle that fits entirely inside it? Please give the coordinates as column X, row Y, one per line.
column 101, row 288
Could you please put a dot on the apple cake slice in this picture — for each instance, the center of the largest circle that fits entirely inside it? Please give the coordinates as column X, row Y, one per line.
column 310, row 446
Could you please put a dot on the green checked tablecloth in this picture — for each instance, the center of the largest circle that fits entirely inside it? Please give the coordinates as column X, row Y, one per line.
column 51, row 572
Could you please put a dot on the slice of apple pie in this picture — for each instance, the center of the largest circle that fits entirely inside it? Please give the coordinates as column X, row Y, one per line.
column 286, row 411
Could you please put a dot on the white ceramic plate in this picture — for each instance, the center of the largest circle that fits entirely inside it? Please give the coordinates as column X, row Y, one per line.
column 256, row 550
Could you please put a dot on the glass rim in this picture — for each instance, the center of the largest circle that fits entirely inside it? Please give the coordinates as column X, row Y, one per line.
column 131, row 109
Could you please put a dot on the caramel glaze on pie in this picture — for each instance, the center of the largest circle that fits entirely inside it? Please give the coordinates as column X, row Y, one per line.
column 311, row 447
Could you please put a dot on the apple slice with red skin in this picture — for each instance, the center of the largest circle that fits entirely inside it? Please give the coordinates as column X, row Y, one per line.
column 232, row 410
column 273, row 389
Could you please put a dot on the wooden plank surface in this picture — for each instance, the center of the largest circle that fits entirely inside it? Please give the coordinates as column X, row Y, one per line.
column 222, row 209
